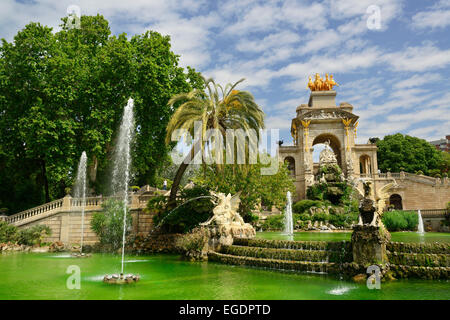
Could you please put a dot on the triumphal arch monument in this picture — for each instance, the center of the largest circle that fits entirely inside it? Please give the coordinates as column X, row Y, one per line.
column 323, row 121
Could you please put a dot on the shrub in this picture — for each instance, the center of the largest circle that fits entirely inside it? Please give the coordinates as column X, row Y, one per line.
column 8, row 233
column 303, row 205
column 304, row 217
column 188, row 214
column 193, row 243
column 33, row 235
column 108, row 224
column 400, row 220
column 274, row 222
column 320, row 216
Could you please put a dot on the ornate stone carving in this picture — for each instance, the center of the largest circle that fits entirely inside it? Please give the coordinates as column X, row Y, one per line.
column 327, row 155
column 328, row 114
column 226, row 223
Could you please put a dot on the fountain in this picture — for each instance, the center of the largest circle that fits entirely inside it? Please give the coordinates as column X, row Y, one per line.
column 420, row 228
column 120, row 181
column 288, row 221
column 80, row 193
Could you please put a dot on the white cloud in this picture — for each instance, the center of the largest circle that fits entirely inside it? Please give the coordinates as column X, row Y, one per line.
column 418, row 80
column 438, row 16
column 418, row 58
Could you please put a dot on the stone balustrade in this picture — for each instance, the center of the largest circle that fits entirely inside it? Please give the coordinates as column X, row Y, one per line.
column 68, row 204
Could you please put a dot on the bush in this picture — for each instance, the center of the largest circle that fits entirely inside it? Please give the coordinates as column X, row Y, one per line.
column 108, row 224
column 304, row 217
column 8, row 233
column 303, row 205
column 188, row 214
column 320, row 216
column 193, row 243
column 33, row 235
column 400, row 220
column 343, row 220
column 274, row 222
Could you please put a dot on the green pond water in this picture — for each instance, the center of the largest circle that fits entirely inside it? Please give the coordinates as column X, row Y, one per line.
column 43, row 276
column 427, row 237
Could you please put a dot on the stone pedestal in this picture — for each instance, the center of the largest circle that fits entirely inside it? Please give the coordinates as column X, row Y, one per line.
column 319, row 99
column 223, row 235
column 369, row 244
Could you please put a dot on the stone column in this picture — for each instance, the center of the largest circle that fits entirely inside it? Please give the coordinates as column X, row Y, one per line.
column 369, row 245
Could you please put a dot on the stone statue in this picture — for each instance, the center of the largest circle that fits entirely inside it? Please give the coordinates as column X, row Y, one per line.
column 372, row 206
column 327, row 156
column 226, row 223
column 225, row 212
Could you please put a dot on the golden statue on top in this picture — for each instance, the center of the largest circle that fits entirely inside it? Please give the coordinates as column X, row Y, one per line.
column 322, row 85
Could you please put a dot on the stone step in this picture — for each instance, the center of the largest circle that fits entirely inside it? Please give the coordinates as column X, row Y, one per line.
column 288, row 254
column 419, row 259
column 275, row 264
column 295, row 245
column 408, row 247
column 405, row 271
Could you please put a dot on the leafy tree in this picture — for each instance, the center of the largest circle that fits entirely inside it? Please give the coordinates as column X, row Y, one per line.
column 402, row 152
column 108, row 224
column 255, row 188
column 63, row 93
column 217, row 108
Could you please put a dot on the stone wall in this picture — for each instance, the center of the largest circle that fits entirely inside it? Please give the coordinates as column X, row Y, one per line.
column 66, row 226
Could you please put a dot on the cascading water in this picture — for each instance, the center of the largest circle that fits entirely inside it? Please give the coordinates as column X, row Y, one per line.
column 420, row 227
column 80, row 192
column 288, row 221
column 122, row 163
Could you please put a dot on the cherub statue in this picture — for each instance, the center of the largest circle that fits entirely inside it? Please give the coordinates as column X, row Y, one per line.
column 225, row 212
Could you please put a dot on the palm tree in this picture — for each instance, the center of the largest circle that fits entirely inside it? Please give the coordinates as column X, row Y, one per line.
column 217, row 108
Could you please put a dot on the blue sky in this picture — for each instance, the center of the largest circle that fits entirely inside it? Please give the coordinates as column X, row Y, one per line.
column 396, row 77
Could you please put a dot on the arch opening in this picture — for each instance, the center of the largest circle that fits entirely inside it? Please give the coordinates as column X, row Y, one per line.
column 290, row 164
column 395, row 200
column 319, row 144
column 365, row 165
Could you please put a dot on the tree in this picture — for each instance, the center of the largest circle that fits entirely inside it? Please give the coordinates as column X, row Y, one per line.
column 402, row 152
column 217, row 108
column 63, row 93
column 255, row 188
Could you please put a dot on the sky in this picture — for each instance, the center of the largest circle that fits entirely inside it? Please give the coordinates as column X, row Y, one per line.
column 391, row 58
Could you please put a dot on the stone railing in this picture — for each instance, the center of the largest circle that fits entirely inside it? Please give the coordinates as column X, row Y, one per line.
column 45, row 208
column 434, row 213
column 71, row 204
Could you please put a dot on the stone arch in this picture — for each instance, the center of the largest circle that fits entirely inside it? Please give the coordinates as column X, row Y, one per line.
column 396, row 200
column 290, row 164
column 335, row 144
column 365, row 164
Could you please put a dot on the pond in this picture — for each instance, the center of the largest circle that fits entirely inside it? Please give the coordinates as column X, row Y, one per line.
column 339, row 236
column 43, row 276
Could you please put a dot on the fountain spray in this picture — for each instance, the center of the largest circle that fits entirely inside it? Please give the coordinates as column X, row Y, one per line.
column 80, row 192
column 122, row 163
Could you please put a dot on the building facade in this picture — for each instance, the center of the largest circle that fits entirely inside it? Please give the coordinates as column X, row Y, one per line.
column 323, row 121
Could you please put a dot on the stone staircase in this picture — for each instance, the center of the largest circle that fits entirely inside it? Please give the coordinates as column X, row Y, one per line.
column 302, row 256
column 69, row 204
column 419, row 260
column 406, row 260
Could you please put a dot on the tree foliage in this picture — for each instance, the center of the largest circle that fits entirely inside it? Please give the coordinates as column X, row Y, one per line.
column 400, row 152
column 269, row 190
column 63, row 93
